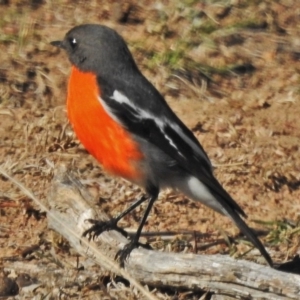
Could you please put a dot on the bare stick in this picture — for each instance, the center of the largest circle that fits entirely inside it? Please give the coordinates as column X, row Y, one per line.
column 220, row 274
column 73, row 234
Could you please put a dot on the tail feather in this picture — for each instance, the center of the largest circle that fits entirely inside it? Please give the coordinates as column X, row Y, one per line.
column 250, row 234
column 215, row 197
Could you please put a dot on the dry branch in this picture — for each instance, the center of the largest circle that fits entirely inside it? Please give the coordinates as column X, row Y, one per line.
column 70, row 202
column 70, row 231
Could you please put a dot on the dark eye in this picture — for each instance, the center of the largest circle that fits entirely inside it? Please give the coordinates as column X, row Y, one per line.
column 73, row 43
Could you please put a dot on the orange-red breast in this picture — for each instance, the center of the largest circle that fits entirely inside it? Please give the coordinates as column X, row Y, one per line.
column 126, row 124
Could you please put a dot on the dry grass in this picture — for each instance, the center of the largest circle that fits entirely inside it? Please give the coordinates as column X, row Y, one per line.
column 230, row 72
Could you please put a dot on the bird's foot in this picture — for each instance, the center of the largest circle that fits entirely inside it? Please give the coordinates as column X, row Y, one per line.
column 100, row 226
column 124, row 253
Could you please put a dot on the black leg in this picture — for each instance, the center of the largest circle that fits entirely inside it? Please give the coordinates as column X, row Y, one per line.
column 134, row 243
column 100, row 226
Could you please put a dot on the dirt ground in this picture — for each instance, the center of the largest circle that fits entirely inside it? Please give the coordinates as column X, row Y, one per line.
column 229, row 69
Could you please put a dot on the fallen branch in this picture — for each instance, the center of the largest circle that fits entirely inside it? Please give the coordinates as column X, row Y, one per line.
column 221, row 274
column 69, row 201
column 62, row 180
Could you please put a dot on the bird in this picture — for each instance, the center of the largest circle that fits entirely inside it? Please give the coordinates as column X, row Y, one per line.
column 126, row 124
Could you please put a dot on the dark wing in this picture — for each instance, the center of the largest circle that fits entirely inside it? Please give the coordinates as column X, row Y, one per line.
column 155, row 122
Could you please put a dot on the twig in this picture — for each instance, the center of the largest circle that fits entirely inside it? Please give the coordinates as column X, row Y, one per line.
column 106, row 262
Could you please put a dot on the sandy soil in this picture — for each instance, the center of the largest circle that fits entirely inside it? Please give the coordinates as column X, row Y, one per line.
column 230, row 71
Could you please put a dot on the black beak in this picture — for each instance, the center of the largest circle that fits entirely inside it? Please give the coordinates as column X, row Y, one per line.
column 58, row 44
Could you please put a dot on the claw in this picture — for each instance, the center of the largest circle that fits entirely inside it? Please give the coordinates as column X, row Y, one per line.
column 99, row 227
column 124, row 253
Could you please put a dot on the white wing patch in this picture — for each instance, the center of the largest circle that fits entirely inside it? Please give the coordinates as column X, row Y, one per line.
column 161, row 123
column 108, row 110
column 117, row 96
column 143, row 114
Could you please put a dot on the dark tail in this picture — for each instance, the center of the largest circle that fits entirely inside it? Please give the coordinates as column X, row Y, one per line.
column 234, row 211
column 250, row 234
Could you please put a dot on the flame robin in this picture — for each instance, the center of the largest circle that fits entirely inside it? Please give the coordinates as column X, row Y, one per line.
column 126, row 124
